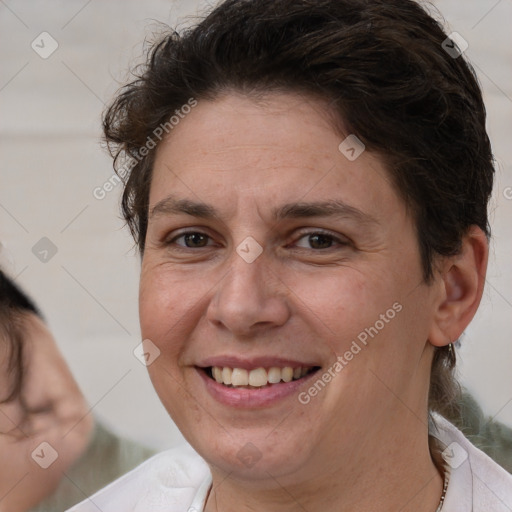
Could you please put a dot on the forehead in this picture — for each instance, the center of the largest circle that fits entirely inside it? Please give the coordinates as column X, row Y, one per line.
column 239, row 152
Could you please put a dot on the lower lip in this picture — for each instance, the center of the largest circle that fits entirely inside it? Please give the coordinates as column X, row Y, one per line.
column 252, row 398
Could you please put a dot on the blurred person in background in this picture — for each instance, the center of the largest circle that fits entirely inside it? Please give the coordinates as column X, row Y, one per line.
column 52, row 451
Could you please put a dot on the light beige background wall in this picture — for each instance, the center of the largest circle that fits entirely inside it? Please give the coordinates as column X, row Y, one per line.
column 51, row 162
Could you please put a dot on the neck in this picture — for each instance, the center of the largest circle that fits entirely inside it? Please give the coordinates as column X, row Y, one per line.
column 390, row 469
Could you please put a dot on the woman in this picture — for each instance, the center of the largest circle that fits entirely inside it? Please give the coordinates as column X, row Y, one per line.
column 308, row 189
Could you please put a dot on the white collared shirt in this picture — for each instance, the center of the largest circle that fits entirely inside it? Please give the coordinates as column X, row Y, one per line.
column 178, row 480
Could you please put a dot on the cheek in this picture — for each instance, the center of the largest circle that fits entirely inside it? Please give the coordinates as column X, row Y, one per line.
column 340, row 303
column 159, row 308
column 170, row 303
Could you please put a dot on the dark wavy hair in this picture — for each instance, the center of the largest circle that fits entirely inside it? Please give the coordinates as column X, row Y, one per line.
column 382, row 67
column 14, row 306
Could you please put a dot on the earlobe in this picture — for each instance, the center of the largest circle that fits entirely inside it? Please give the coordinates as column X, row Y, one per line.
column 462, row 283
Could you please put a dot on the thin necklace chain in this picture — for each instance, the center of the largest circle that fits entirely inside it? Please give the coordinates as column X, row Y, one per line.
column 443, row 496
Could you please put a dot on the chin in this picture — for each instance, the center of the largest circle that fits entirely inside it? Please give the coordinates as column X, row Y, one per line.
column 255, row 454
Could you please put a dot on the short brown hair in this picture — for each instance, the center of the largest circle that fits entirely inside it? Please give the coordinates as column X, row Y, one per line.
column 382, row 67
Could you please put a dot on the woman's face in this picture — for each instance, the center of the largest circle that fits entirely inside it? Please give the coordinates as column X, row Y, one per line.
column 268, row 248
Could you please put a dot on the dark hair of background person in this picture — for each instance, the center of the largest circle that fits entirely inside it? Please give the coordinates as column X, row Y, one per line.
column 381, row 68
column 14, row 306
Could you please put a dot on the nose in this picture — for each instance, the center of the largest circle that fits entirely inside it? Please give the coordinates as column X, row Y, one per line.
column 249, row 299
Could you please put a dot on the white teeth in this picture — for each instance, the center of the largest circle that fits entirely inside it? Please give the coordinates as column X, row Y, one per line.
column 239, row 377
column 274, row 375
column 226, row 375
column 258, row 377
column 287, row 374
column 217, row 374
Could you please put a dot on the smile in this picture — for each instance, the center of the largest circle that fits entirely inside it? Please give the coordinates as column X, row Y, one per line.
column 257, row 377
column 256, row 383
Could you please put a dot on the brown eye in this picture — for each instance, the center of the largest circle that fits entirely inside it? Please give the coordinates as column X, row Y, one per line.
column 192, row 239
column 318, row 240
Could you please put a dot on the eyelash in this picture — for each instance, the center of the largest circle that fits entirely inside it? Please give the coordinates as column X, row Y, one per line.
column 302, row 234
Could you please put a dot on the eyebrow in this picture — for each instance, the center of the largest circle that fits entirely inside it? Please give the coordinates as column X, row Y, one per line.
column 331, row 208
column 172, row 206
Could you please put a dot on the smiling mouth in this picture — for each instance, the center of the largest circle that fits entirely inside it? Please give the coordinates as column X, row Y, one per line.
column 257, row 378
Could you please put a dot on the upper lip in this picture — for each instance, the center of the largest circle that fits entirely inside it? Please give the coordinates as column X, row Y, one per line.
column 232, row 361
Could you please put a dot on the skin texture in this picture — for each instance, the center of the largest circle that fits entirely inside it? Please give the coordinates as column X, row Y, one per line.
column 58, row 415
column 366, row 431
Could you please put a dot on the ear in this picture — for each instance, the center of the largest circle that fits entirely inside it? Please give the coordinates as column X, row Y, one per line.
column 462, row 282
